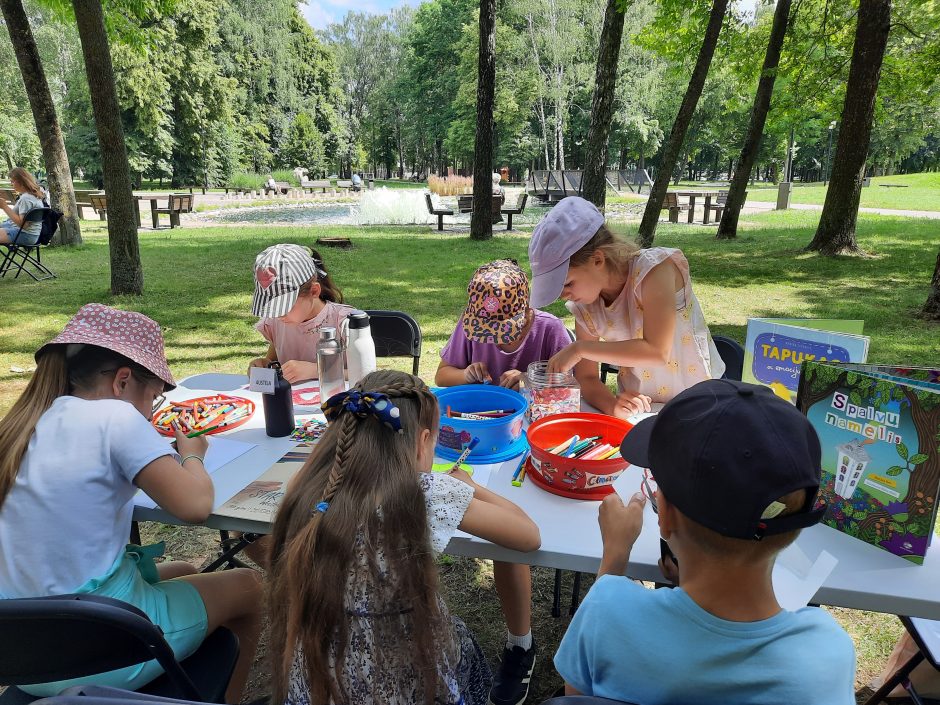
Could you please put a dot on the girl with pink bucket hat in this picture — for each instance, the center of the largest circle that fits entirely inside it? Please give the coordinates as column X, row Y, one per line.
column 633, row 308
column 78, row 444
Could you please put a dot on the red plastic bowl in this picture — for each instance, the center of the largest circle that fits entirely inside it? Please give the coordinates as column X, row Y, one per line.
column 573, row 477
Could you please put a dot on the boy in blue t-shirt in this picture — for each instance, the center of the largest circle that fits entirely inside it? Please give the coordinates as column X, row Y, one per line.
column 737, row 471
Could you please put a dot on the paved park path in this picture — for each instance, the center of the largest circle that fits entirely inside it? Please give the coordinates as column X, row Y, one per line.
column 755, row 206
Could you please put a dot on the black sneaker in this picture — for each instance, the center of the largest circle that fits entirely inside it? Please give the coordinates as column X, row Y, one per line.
column 511, row 683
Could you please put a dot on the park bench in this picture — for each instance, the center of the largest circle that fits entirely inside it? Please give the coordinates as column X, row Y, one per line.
column 517, row 210
column 893, row 185
column 280, row 187
column 465, row 203
column 8, row 195
column 99, row 204
column 672, row 204
column 322, row 184
column 344, row 184
column 83, row 200
column 720, row 202
column 176, row 203
column 439, row 212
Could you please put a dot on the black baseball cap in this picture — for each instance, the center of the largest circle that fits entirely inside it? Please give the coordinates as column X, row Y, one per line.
column 724, row 451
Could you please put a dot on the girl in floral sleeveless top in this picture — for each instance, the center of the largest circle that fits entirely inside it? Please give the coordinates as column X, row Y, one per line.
column 356, row 616
column 633, row 308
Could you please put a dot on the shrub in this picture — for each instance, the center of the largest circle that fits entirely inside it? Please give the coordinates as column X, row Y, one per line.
column 450, row 185
column 246, row 180
column 287, row 175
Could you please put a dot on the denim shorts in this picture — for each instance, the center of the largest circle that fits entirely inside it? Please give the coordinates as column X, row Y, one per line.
column 24, row 238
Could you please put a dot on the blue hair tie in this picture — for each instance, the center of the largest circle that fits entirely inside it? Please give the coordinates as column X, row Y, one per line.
column 362, row 404
column 321, row 507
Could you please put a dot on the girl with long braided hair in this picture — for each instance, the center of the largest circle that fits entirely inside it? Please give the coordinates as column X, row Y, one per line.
column 356, row 616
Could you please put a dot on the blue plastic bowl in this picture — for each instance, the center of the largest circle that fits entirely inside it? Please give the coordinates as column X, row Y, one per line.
column 500, row 439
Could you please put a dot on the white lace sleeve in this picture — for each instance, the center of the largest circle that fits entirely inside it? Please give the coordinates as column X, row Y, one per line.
column 446, row 499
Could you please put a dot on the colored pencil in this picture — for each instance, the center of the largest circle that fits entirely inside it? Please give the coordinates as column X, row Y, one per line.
column 517, row 482
column 561, row 446
column 570, row 449
column 520, row 466
column 466, row 452
column 598, row 451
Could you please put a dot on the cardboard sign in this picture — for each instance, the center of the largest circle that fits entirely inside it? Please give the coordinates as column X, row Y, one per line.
column 262, row 379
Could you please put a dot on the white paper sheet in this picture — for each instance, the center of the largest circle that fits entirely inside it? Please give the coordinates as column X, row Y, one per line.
column 221, row 452
column 797, row 578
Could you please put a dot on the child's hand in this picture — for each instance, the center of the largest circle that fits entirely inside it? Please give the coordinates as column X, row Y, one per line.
column 298, row 370
column 189, row 446
column 629, row 403
column 620, row 524
column 462, row 475
column 565, row 359
column 510, row 379
column 476, row 373
column 258, row 362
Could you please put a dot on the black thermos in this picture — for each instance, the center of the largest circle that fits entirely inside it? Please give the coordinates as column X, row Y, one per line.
column 279, row 407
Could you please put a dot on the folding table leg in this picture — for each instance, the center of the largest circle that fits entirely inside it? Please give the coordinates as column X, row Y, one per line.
column 575, row 594
column 900, row 677
column 556, row 600
column 227, row 555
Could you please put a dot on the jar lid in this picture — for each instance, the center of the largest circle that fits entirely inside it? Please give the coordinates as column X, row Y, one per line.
column 327, row 333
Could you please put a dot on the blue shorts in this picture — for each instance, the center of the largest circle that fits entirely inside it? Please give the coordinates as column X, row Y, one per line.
column 173, row 605
column 24, row 238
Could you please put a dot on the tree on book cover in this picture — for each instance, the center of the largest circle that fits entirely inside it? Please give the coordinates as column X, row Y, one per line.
column 880, row 433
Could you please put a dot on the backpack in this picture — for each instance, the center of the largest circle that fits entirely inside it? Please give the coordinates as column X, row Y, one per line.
column 50, row 223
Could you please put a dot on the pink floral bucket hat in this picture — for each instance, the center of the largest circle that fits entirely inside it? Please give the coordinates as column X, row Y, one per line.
column 497, row 304
column 131, row 334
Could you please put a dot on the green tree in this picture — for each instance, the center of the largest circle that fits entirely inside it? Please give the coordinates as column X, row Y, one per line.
column 304, row 146
column 481, row 220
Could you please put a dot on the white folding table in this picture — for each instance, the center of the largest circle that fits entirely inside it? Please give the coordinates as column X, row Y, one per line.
column 865, row 578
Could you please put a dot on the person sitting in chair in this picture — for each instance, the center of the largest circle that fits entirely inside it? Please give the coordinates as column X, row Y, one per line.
column 31, row 196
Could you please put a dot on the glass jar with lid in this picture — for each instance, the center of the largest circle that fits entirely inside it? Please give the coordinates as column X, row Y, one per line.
column 550, row 393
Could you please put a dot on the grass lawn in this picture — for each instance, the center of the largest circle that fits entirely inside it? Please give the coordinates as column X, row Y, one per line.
column 921, row 192
column 198, row 286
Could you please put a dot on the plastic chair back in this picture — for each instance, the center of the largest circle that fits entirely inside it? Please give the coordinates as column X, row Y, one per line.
column 584, row 700
column 56, row 638
column 396, row 334
column 732, row 354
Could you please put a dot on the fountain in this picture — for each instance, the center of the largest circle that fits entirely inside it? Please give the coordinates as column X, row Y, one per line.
column 385, row 206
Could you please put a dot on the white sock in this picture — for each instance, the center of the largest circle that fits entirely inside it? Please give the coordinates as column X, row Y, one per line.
column 524, row 641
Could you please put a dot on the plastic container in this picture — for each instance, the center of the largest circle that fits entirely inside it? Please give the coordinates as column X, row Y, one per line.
column 330, row 368
column 574, row 477
column 500, row 438
column 550, row 393
column 278, row 407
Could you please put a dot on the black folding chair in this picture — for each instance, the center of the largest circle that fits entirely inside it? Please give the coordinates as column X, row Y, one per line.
column 97, row 695
column 924, row 632
column 396, row 334
column 47, row 639
column 19, row 255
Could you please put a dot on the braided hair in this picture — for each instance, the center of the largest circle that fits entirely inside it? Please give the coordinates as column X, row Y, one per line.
column 358, row 495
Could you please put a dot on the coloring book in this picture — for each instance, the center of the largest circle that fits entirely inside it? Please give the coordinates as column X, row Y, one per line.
column 879, row 427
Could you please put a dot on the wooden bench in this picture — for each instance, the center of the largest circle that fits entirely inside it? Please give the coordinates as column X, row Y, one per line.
column 322, row 184
column 99, row 202
column 721, row 201
column 8, row 195
column 176, row 203
column 517, row 210
column 439, row 212
column 83, row 200
column 280, row 187
column 344, row 184
column 672, row 204
column 465, row 203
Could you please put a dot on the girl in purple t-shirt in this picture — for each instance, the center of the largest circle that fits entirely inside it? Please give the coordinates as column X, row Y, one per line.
column 497, row 337
column 499, row 334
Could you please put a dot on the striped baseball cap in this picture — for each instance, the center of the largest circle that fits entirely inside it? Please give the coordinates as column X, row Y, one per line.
column 280, row 271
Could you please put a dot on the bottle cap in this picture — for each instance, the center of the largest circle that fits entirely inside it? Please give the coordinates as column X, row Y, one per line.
column 327, row 333
column 358, row 319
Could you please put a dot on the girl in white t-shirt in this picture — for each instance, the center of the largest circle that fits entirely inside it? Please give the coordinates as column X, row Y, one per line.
column 77, row 445
column 31, row 196
column 366, row 513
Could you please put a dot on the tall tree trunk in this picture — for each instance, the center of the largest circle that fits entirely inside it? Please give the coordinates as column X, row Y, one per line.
column 683, row 118
column 560, row 118
column 728, row 227
column 62, row 194
column 594, row 183
column 932, row 307
column 836, row 231
column 127, row 276
column 481, row 220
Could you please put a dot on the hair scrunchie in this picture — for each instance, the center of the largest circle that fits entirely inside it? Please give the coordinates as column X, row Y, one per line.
column 363, row 404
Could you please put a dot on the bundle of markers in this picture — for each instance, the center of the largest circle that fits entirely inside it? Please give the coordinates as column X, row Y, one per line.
column 480, row 415
column 205, row 415
column 591, row 448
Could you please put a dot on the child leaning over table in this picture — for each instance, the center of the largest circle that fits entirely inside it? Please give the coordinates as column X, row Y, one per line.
column 356, row 616
column 737, row 470
column 496, row 339
column 77, row 445
column 294, row 296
